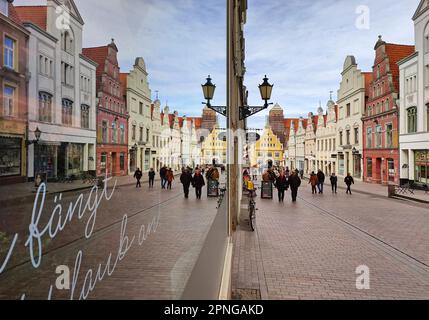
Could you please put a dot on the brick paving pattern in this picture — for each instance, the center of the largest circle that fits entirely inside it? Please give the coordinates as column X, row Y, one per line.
column 310, row 250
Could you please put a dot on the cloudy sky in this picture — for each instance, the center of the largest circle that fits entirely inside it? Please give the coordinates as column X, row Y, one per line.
column 300, row 44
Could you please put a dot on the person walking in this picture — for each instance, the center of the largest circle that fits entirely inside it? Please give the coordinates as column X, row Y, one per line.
column 321, row 181
column 138, row 175
column 314, row 181
column 198, row 183
column 349, row 181
column 186, row 180
column 294, row 183
column 170, row 178
column 334, row 183
column 163, row 176
column 151, row 175
column 282, row 185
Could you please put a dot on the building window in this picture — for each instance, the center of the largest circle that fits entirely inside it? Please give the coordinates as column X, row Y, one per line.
column 369, row 167
column 133, row 132
column 348, row 137
column 422, row 167
column 104, row 132
column 114, row 133
column 141, row 108
column 356, row 135
column 389, row 136
column 45, row 107
column 427, row 118
column 4, row 7
column 412, row 120
column 8, row 101
column 378, row 131
column 348, row 110
column 147, row 135
column 67, row 112
column 391, row 170
column 369, row 138
column 122, row 128
column 9, row 53
column 341, row 138
column 84, row 116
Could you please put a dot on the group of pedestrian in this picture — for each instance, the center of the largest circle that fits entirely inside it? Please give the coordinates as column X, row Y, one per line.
column 317, row 182
column 167, row 178
column 197, row 182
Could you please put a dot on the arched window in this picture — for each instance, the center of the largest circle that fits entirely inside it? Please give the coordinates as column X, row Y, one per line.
column 412, row 119
column 45, row 107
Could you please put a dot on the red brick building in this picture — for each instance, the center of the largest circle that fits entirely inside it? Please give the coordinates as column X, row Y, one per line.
column 112, row 116
column 14, row 102
column 380, row 123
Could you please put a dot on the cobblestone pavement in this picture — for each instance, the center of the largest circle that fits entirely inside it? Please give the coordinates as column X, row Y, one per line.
column 168, row 234
column 311, row 249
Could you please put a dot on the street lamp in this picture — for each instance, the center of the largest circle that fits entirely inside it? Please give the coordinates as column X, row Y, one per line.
column 265, row 90
column 37, row 134
column 208, row 90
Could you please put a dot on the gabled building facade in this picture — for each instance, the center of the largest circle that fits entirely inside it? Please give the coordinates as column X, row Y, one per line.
column 381, row 120
column 310, row 144
column 351, row 108
column 414, row 105
column 112, row 115
column 61, row 91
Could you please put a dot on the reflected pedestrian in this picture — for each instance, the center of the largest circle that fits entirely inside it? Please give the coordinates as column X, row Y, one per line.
column 314, row 181
column 321, row 181
column 294, row 183
column 198, row 183
column 151, row 175
column 186, row 180
column 170, row 178
column 349, row 181
column 138, row 175
column 282, row 185
column 334, row 183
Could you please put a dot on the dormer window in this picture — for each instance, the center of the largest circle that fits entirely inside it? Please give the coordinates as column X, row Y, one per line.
column 4, row 7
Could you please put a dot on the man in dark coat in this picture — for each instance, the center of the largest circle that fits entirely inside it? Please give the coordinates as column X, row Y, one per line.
column 186, row 180
column 321, row 181
column 334, row 183
column 151, row 175
column 138, row 175
column 282, row 184
column 349, row 181
column 198, row 183
column 294, row 183
column 163, row 176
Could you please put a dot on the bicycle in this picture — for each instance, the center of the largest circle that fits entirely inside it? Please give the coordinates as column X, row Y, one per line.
column 252, row 209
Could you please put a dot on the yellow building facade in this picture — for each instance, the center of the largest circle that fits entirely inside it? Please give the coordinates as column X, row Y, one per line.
column 214, row 147
column 268, row 147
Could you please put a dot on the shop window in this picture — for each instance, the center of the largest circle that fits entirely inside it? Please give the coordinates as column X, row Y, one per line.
column 412, row 120
column 422, row 167
column 8, row 101
column 10, row 157
column 103, row 161
column 45, row 107
column 391, row 170
column 369, row 167
column 9, row 52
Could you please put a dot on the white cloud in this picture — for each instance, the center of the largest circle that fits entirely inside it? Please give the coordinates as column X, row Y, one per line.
column 300, row 44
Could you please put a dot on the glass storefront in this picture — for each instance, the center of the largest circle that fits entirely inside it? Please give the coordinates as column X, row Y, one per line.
column 391, row 169
column 341, row 164
column 422, row 167
column 59, row 160
column 10, row 156
column 357, row 162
